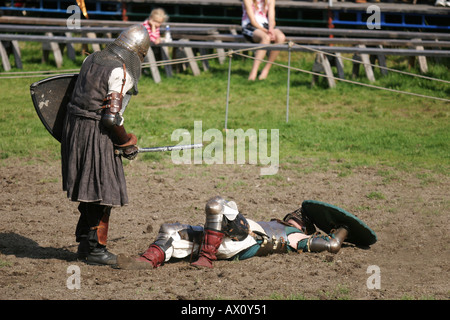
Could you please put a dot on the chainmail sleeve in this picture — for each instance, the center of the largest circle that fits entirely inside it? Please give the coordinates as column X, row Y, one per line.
column 114, row 56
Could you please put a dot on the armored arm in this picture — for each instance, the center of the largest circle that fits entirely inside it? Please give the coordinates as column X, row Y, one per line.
column 331, row 243
column 113, row 120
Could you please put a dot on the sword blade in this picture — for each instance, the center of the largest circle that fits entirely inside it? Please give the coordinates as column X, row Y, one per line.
column 171, row 148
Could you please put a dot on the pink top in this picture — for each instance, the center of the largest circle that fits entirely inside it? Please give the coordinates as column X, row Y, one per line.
column 260, row 13
column 153, row 35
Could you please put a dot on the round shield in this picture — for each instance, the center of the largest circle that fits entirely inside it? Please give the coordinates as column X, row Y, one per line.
column 327, row 217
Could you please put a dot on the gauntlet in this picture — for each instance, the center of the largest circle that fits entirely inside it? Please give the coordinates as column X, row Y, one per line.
column 113, row 120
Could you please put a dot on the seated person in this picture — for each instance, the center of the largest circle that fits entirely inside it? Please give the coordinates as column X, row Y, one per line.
column 153, row 24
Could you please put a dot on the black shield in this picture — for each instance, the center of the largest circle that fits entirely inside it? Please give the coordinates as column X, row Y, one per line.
column 50, row 97
column 327, row 217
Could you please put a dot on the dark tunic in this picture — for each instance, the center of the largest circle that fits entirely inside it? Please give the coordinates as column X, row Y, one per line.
column 91, row 171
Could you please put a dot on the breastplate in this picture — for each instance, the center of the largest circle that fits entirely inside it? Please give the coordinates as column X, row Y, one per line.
column 274, row 240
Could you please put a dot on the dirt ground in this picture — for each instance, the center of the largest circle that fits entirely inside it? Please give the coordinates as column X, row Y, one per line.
column 408, row 211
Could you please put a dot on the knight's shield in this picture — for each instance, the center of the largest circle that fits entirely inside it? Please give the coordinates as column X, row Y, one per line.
column 327, row 217
column 50, row 97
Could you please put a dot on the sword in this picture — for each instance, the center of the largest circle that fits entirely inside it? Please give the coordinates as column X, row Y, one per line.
column 164, row 148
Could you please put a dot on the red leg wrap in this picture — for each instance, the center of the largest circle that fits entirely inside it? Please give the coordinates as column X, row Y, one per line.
column 211, row 242
column 154, row 255
column 102, row 229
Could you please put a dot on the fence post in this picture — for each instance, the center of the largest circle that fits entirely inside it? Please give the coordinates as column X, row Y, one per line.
column 288, row 80
column 230, row 55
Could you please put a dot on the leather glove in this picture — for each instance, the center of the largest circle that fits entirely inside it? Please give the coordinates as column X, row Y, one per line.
column 129, row 149
column 130, row 152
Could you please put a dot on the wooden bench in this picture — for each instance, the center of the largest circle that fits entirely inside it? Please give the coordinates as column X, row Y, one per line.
column 375, row 38
column 237, row 46
column 299, row 13
column 323, row 63
column 54, row 36
column 212, row 36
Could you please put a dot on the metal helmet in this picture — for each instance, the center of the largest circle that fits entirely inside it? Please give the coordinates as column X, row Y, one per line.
column 301, row 219
column 136, row 39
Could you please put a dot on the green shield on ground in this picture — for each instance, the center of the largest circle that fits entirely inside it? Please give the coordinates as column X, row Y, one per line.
column 327, row 217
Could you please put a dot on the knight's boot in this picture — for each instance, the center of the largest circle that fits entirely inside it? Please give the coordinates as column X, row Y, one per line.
column 97, row 237
column 330, row 243
column 211, row 242
column 101, row 256
column 152, row 258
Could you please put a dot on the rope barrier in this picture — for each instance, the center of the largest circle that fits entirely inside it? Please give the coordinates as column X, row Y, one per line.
column 30, row 74
column 180, row 60
column 35, row 74
column 372, row 65
column 43, row 71
column 349, row 81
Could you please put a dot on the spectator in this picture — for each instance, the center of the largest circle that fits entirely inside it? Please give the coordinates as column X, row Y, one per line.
column 153, row 24
column 258, row 26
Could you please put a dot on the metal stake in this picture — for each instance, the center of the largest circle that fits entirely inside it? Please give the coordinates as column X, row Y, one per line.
column 288, row 82
column 228, row 88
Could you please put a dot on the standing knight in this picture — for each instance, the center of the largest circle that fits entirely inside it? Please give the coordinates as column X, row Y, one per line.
column 93, row 129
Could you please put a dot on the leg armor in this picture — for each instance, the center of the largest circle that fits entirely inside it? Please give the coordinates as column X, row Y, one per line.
column 162, row 248
column 214, row 213
column 330, row 243
column 222, row 218
column 93, row 224
column 92, row 233
column 169, row 233
column 100, row 231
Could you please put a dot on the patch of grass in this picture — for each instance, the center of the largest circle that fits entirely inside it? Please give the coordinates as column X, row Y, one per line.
column 4, row 263
column 341, row 292
column 278, row 296
column 376, row 195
